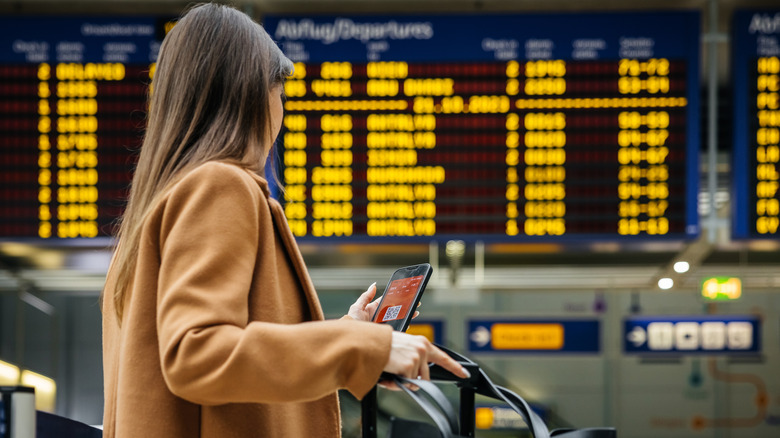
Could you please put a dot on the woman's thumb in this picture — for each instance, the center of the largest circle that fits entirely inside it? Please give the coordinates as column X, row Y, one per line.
column 368, row 295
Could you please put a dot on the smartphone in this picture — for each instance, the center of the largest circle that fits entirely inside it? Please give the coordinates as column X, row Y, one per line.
column 402, row 295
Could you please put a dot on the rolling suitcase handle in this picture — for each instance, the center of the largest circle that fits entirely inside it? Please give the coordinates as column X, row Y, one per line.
column 480, row 383
column 440, row 410
column 435, row 404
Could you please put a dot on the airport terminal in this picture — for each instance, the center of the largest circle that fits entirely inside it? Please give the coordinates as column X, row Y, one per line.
column 593, row 187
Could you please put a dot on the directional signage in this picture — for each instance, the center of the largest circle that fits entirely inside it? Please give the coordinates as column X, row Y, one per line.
column 692, row 334
column 534, row 336
column 433, row 330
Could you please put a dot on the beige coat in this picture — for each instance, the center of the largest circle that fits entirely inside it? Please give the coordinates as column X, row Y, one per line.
column 223, row 335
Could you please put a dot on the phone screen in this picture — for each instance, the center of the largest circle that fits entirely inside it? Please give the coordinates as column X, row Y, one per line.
column 402, row 295
column 398, row 298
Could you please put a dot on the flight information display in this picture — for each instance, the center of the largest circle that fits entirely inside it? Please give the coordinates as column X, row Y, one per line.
column 492, row 127
column 756, row 58
column 72, row 108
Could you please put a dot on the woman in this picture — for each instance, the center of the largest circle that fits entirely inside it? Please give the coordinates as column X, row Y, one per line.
column 211, row 325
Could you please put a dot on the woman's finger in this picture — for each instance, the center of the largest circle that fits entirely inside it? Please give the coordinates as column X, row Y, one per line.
column 442, row 359
column 389, row 384
column 371, row 308
column 424, row 372
column 367, row 296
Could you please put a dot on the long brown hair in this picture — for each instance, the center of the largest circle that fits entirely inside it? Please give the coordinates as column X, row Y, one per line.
column 209, row 102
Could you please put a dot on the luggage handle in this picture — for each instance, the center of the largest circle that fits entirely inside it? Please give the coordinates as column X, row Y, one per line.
column 443, row 414
column 479, row 383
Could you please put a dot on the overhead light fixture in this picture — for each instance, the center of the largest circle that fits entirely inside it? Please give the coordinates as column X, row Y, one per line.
column 45, row 390
column 9, row 374
column 665, row 283
column 454, row 251
column 681, row 267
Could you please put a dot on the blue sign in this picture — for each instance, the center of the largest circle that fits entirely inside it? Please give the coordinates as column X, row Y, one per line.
column 421, row 38
column 692, row 335
column 539, row 336
column 126, row 40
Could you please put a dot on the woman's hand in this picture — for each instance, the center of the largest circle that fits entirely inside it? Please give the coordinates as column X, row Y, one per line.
column 410, row 355
column 364, row 308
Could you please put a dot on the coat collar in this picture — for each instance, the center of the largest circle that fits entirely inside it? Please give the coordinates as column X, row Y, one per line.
column 291, row 246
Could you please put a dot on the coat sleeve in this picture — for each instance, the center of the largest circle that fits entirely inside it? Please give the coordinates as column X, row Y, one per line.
column 210, row 353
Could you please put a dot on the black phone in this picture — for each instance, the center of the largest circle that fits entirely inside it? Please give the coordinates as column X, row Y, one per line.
column 402, row 295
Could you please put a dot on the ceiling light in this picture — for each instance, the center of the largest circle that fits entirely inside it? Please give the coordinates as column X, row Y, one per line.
column 9, row 374
column 665, row 283
column 681, row 267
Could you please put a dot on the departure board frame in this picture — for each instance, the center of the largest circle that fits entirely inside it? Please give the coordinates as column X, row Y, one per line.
column 81, row 145
column 756, row 153
column 330, row 140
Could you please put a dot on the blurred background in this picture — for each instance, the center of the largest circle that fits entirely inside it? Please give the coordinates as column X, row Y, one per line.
column 594, row 182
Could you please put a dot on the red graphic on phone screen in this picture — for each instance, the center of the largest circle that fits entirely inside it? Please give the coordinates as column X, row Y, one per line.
column 398, row 299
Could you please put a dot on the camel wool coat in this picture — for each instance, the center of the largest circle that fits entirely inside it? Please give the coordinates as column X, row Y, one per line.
column 222, row 333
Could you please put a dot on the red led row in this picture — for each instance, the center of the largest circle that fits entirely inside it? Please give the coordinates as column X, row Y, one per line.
column 463, row 69
column 19, row 71
column 577, row 86
column 583, row 118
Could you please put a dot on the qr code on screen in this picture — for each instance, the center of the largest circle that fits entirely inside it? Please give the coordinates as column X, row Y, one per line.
column 392, row 313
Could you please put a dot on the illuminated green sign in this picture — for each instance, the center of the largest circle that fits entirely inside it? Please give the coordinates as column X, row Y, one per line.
column 721, row 288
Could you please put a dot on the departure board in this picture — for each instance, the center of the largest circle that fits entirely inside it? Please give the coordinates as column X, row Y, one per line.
column 72, row 109
column 491, row 127
column 756, row 58
column 481, row 127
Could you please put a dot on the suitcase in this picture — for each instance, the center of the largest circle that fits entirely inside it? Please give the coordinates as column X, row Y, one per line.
column 449, row 424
